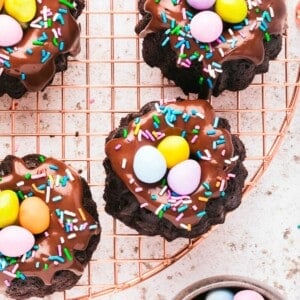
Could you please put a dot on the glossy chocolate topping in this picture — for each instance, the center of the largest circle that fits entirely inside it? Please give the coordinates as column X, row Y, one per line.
column 35, row 64
column 237, row 42
column 65, row 213
column 210, row 146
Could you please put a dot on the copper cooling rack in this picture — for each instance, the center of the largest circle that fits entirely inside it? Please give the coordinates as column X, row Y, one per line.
column 71, row 119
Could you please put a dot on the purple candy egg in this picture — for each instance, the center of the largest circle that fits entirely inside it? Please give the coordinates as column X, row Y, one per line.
column 201, row 4
column 206, row 26
column 184, row 178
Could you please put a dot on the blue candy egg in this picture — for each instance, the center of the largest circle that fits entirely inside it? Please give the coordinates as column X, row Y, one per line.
column 219, row 294
column 149, row 165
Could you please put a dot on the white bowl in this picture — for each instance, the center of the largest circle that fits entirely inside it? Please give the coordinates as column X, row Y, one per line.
column 228, row 282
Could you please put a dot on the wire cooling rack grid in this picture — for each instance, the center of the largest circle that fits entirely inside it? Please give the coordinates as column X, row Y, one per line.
column 72, row 117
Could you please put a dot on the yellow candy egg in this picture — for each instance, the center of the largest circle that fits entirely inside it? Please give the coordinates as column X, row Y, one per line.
column 175, row 149
column 231, row 11
column 9, row 208
column 34, row 215
column 21, row 10
column 1, row 4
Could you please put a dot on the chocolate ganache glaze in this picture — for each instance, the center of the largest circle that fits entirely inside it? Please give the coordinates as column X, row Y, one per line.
column 210, row 146
column 53, row 31
column 238, row 41
column 71, row 226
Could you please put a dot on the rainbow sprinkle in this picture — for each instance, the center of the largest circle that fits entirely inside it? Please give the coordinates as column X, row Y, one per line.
column 47, row 185
column 197, row 125
column 179, row 37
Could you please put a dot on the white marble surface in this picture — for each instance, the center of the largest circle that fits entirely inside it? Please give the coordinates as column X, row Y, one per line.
column 260, row 240
column 108, row 79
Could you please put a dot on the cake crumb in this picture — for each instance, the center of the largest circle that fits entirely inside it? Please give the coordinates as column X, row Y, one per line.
column 286, row 233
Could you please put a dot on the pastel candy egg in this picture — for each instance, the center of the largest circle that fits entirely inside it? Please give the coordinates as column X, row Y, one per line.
column 201, row 4
column 219, row 294
column 184, row 178
column 231, row 11
column 15, row 241
column 149, row 165
column 34, row 215
column 206, row 26
column 9, row 208
column 248, row 295
column 21, row 10
column 175, row 149
column 13, row 32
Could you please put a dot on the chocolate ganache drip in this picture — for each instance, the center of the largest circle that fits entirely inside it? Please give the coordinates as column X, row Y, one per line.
column 210, row 146
column 52, row 32
column 71, row 226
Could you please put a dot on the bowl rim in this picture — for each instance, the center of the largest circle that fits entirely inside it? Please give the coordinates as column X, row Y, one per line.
column 227, row 281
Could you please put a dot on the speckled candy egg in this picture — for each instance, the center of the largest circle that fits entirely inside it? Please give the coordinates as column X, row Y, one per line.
column 13, row 32
column 34, row 215
column 149, row 165
column 248, row 295
column 206, row 26
column 184, row 178
column 21, row 10
column 201, row 4
column 15, row 241
column 231, row 11
column 175, row 149
column 9, row 208
column 219, row 294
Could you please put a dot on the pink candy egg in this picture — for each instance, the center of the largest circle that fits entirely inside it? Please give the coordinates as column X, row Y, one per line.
column 13, row 32
column 201, row 4
column 248, row 295
column 184, row 178
column 15, row 241
column 206, row 26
